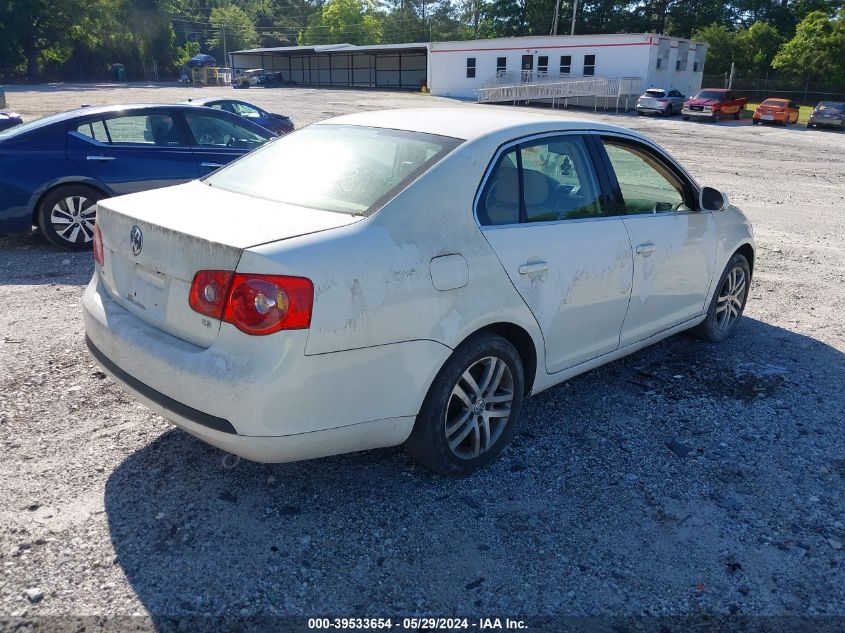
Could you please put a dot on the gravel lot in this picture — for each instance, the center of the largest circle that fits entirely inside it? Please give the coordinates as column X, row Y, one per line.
column 686, row 479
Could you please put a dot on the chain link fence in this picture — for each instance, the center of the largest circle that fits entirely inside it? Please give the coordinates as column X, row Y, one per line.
column 808, row 91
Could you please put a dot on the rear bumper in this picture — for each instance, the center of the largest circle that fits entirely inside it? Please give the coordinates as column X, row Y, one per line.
column 827, row 122
column 262, row 398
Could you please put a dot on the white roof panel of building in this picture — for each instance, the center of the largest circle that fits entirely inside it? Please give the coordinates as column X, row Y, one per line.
column 333, row 48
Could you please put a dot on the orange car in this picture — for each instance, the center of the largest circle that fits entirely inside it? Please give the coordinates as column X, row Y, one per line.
column 781, row 111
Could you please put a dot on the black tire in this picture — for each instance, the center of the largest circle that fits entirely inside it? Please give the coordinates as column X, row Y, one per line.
column 755, row 121
column 640, row 113
column 66, row 216
column 429, row 444
column 737, row 115
column 713, row 328
column 685, row 117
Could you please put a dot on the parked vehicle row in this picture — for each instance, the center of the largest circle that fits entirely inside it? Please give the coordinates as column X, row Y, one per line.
column 430, row 274
column 713, row 104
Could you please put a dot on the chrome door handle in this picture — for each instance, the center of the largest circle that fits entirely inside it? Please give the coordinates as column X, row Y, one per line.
column 532, row 267
column 100, row 158
column 646, row 249
column 214, row 165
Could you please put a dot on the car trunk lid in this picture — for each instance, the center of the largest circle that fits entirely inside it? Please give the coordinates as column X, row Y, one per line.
column 155, row 242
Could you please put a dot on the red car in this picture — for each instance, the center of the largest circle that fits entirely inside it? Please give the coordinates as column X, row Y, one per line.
column 712, row 104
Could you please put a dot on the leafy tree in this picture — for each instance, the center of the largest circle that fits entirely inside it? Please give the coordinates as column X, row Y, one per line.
column 232, row 28
column 345, row 21
column 721, row 49
column 757, row 46
column 818, row 48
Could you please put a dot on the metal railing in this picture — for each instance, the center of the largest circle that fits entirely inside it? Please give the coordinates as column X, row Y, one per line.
column 527, row 85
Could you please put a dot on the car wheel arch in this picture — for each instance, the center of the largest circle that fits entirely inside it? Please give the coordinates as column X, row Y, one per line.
column 747, row 251
column 519, row 337
column 46, row 190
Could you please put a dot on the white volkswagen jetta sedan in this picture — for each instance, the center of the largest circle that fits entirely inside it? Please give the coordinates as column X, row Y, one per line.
column 407, row 276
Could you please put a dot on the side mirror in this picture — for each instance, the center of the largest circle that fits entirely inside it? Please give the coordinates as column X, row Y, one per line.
column 712, row 200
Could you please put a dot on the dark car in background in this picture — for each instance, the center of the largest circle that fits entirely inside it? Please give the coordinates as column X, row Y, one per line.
column 9, row 119
column 828, row 114
column 660, row 101
column 55, row 169
column 278, row 123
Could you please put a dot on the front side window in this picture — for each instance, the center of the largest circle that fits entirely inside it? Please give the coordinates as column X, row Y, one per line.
column 647, row 185
column 244, row 109
column 565, row 64
column 589, row 64
column 470, row 67
column 211, row 131
column 343, row 168
column 545, row 180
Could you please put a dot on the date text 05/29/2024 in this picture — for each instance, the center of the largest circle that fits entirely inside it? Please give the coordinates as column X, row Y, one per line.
column 416, row 624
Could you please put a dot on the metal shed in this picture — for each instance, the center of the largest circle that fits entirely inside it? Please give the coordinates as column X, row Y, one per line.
column 377, row 66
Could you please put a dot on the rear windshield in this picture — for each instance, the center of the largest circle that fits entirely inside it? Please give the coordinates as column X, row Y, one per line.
column 33, row 125
column 774, row 102
column 345, row 168
column 657, row 94
column 831, row 105
column 711, row 94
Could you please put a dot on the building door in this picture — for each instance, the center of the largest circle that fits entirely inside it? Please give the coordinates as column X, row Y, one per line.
column 527, row 67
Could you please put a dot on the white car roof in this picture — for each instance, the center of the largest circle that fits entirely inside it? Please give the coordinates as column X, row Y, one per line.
column 473, row 121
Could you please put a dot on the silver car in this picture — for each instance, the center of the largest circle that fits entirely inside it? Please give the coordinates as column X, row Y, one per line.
column 828, row 114
column 660, row 101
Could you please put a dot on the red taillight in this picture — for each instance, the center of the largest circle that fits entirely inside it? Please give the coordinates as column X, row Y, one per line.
column 99, row 254
column 255, row 304
column 209, row 291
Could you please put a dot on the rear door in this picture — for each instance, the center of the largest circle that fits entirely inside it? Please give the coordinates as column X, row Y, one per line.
column 674, row 245
column 132, row 151
column 218, row 139
column 542, row 208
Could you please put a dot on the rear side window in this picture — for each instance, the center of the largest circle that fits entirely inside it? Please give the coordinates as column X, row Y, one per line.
column 545, row 180
column 95, row 130
column 344, row 168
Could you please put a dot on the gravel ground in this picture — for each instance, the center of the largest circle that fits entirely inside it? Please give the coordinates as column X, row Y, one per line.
column 686, row 479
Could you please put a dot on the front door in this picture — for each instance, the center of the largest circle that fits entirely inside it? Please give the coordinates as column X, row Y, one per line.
column 527, row 67
column 674, row 245
column 542, row 211
column 134, row 152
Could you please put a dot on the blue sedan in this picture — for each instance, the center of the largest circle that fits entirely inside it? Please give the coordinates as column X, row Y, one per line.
column 278, row 123
column 55, row 169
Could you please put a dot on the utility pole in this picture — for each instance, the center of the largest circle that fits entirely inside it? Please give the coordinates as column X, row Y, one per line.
column 554, row 23
column 731, row 78
column 225, row 51
column 574, row 13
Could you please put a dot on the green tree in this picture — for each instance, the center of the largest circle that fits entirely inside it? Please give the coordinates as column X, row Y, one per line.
column 757, row 46
column 233, row 31
column 721, row 49
column 345, row 21
column 818, row 48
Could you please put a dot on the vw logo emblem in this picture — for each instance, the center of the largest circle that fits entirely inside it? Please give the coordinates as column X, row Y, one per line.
column 136, row 239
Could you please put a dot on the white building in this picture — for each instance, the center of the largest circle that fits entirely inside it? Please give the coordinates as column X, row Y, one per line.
column 460, row 69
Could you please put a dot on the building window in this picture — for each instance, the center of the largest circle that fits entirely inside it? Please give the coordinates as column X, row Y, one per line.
column 470, row 67
column 683, row 56
column 589, row 64
column 565, row 64
column 543, row 64
column 501, row 65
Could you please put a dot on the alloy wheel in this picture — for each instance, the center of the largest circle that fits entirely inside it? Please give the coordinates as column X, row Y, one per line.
column 479, row 407
column 731, row 298
column 73, row 219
